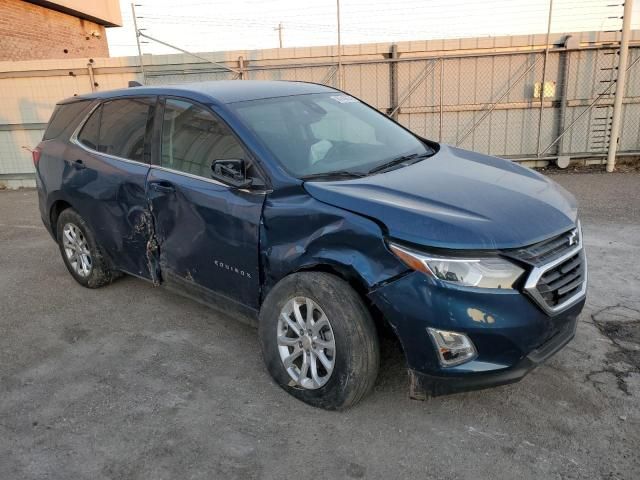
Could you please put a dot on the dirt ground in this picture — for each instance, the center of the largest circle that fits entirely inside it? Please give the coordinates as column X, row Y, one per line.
column 133, row 382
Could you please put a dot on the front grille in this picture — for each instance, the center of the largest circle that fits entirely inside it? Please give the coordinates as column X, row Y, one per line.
column 558, row 278
column 548, row 250
column 562, row 282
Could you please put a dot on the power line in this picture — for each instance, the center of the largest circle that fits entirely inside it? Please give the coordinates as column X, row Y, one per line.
column 362, row 20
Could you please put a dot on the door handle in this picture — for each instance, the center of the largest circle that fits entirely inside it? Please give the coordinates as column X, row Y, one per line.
column 79, row 164
column 162, row 186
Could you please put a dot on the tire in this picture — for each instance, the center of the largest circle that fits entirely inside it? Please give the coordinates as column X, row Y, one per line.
column 97, row 272
column 355, row 356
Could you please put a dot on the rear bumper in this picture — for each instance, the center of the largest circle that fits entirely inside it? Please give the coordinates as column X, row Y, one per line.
column 45, row 219
column 43, row 205
column 422, row 384
column 512, row 335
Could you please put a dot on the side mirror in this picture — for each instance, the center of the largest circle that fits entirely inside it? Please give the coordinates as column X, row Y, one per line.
column 232, row 171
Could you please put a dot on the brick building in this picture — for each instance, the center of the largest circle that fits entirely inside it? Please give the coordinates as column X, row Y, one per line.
column 42, row 29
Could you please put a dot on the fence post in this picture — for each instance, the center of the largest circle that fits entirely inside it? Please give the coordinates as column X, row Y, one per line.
column 564, row 64
column 614, row 136
column 241, row 68
column 339, row 71
column 441, row 106
column 393, row 67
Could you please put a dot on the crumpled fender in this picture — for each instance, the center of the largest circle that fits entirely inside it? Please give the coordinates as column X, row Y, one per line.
column 299, row 232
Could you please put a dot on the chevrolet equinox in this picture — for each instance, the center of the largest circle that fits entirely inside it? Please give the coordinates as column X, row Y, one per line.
column 323, row 221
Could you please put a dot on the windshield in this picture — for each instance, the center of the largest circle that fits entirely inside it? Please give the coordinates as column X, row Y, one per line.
column 326, row 133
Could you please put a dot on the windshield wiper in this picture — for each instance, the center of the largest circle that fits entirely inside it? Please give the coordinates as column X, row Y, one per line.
column 334, row 174
column 398, row 161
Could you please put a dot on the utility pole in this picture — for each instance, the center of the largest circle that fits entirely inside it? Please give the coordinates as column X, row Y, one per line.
column 620, row 85
column 135, row 26
column 279, row 29
column 340, row 80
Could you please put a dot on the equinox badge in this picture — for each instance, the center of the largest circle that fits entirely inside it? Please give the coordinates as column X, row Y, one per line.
column 231, row 268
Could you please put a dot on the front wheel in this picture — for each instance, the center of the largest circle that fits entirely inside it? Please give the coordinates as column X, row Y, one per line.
column 319, row 341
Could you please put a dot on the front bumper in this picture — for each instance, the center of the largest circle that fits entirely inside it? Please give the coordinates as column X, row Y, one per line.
column 422, row 384
column 511, row 333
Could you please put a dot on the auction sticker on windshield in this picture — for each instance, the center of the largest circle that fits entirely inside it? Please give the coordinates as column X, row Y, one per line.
column 344, row 99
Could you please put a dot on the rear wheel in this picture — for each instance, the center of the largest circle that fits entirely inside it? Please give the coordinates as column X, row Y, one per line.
column 80, row 252
column 319, row 341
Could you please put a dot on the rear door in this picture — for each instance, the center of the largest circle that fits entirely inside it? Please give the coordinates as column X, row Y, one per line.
column 105, row 178
column 207, row 231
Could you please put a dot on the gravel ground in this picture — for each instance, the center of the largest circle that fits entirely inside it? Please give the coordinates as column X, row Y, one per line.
column 133, row 382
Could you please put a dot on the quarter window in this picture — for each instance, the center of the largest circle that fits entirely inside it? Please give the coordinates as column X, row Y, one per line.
column 63, row 116
column 90, row 134
column 192, row 138
column 118, row 127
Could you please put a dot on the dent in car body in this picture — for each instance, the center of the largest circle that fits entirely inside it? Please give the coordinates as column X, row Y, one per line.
column 199, row 223
column 108, row 193
column 147, row 228
column 299, row 232
column 516, row 326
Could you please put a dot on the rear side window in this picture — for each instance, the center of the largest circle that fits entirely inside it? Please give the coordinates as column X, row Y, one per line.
column 63, row 116
column 192, row 138
column 118, row 127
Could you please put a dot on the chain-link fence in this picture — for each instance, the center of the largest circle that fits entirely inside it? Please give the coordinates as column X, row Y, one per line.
column 630, row 132
column 520, row 105
column 501, row 100
column 521, row 96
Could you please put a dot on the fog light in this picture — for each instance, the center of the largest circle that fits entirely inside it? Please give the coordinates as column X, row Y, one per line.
column 453, row 348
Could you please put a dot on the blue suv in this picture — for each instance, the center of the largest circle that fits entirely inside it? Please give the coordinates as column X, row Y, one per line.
column 310, row 213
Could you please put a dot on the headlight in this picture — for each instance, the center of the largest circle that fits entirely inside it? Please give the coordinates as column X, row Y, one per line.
column 482, row 272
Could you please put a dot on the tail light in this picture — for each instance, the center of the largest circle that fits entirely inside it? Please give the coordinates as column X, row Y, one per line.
column 35, row 154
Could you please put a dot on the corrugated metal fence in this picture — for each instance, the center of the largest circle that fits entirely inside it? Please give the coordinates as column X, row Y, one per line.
column 480, row 94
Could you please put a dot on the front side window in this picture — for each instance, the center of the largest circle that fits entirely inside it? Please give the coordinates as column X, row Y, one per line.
column 329, row 132
column 192, row 139
column 118, row 127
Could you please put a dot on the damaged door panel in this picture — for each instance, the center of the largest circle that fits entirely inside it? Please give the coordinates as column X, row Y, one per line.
column 147, row 227
column 108, row 190
column 206, row 235
column 205, row 232
column 120, row 219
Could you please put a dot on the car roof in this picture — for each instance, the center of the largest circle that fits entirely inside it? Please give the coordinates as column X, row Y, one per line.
column 220, row 91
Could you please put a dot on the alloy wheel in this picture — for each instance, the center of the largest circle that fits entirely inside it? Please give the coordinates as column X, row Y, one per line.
column 306, row 343
column 76, row 249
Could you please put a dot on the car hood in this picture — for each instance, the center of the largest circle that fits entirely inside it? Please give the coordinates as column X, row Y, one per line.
column 457, row 199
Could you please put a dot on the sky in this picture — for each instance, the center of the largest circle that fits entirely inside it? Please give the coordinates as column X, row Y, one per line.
column 218, row 25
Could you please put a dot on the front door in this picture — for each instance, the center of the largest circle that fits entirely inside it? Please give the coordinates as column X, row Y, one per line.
column 207, row 232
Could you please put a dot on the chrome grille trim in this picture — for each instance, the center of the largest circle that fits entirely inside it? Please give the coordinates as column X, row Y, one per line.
column 531, row 285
